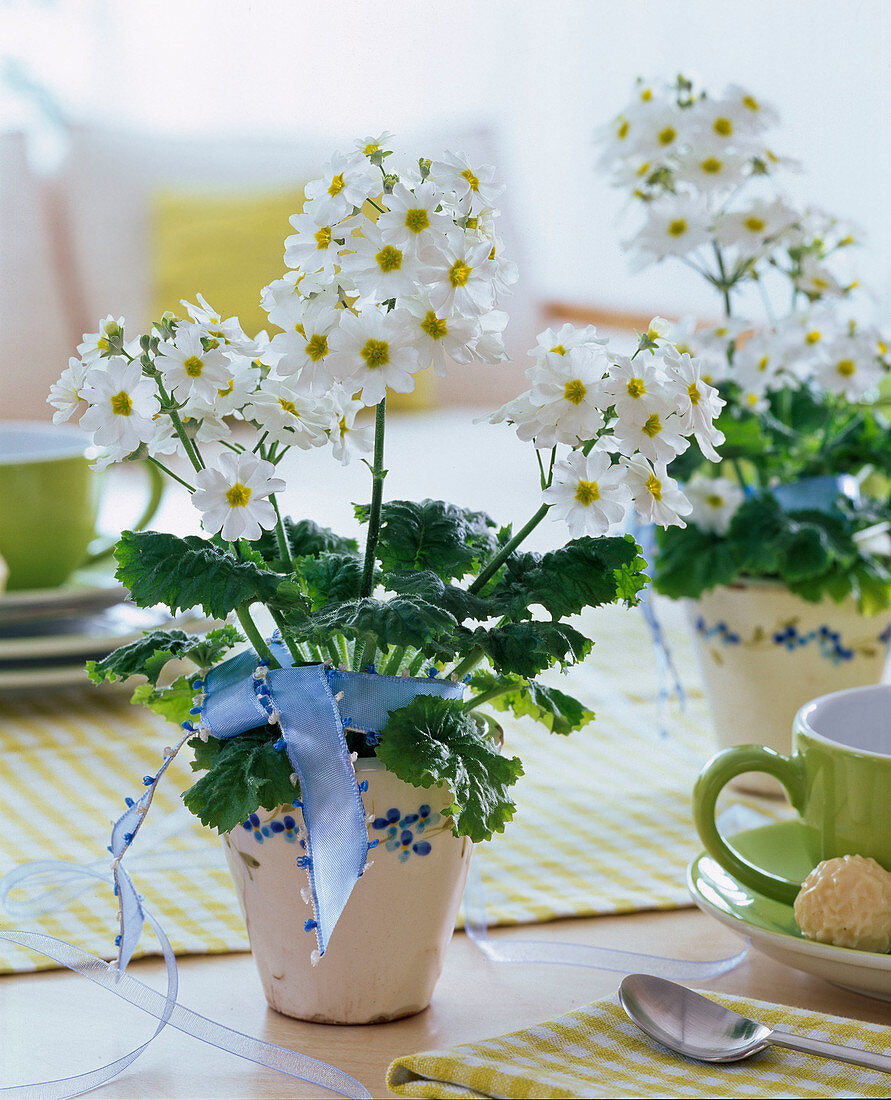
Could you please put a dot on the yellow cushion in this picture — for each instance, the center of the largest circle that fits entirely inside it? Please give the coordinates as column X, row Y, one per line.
column 228, row 247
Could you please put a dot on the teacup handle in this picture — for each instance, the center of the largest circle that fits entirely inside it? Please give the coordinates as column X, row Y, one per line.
column 156, row 491
column 716, row 774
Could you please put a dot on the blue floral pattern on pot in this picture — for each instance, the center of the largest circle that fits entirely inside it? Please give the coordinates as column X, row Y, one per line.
column 401, row 831
column 286, row 827
column 787, row 635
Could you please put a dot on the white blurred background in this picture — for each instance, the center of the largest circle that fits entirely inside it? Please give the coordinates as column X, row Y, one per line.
column 108, row 101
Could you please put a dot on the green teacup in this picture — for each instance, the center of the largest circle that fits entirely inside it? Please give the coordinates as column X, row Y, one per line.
column 838, row 779
column 49, row 499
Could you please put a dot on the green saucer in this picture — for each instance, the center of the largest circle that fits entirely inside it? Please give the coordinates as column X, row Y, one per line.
column 790, row 849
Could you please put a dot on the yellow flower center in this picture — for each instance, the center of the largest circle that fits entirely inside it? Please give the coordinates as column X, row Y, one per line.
column 762, row 363
column 846, row 367
column 225, row 392
column 342, row 427
column 654, row 486
column 624, row 127
column 653, row 426
column 193, row 366
column 376, row 353
column 471, row 179
column 575, row 391
column 751, row 102
column 389, row 259
column 417, row 219
column 752, row 398
column 558, row 349
column 711, row 166
column 677, row 227
column 723, row 126
column 643, row 169
column 238, row 495
column 337, row 185
column 121, row 405
column 371, row 147
column 317, row 346
column 813, row 337
column 755, row 224
column 435, row 327
column 667, row 136
column 102, row 344
column 459, row 273
column 694, row 394
column 714, row 501
column 646, row 95
column 288, row 406
column 636, row 387
column 323, row 238
column 587, row 492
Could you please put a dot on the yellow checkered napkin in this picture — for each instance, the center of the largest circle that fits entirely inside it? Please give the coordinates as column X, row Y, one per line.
column 597, row 1051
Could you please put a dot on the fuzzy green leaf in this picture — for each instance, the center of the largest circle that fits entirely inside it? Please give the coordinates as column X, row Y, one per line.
column 432, row 741
column 457, row 601
column 148, row 655
column 556, row 710
column 690, row 561
column 189, row 572
column 331, row 577
column 402, row 621
column 432, row 535
column 242, row 774
column 173, row 703
column 305, row 538
column 528, row 648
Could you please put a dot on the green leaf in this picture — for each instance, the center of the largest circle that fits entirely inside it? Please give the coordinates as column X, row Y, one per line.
column 457, row 601
column 305, row 538
column 432, row 535
column 173, row 703
column 433, row 742
column 148, row 655
column 556, row 710
column 530, row 647
column 242, row 774
column 189, row 572
column 402, row 621
column 331, row 577
column 586, row 572
column 690, row 561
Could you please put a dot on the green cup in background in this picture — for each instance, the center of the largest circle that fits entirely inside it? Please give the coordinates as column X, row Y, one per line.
column 838, row 779
column 49, row 499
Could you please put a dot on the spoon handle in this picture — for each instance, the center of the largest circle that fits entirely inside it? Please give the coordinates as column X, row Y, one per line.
column 830, row 1050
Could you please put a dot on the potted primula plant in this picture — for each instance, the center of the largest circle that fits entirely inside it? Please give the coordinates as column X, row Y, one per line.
column 357, row 724
column 785, row 554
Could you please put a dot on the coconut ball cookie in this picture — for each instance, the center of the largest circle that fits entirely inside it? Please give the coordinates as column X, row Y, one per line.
column 847, row 901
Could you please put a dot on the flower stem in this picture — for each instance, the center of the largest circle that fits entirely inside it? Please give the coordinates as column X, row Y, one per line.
column 505, row 552
column 485, row 696
column 378, row 473
column 254, row 636
column 170, row 473
column 283, row 548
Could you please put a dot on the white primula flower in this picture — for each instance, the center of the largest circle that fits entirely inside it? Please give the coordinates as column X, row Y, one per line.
column 750, row 113
column 188, row 369
column 65, row 395
column 528, row 417
column 656, row 496
column 563, row 340
column 589, row 493
column 714, row 500
column 412, row 222
column 374, row 351
column 230, row 399
column 475, row 185
column 660, row 437
column 488, row 347
column 675, row 226
column 698, row 403
column 637, row 387
column 106, row 341
column 760, row 366
column 346, row 183
column 661, row 132
column 290, row 417
column 569, row 388
column 459, row 279
column 277, row 299
column 303, row 347
column 725, row 122
column 316, row 243
column 816, row 280
column 437, row 336
column 122, row 404
column 751, row 229
column 231, row 496
column 617, row 142
column 347, row 437
column 368, row 146
column 713, row 171
column 849, row 366
column 228, row 332
column 378, row 270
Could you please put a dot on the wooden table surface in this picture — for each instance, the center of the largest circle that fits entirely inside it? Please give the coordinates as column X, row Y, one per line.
column 55, row 1023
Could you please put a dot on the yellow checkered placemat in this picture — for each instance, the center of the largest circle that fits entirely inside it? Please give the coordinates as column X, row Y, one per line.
column 603, row 824
column 597, row 1051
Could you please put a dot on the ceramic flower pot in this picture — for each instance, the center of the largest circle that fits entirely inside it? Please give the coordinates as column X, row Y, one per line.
column 764, row 652
column 387, row 950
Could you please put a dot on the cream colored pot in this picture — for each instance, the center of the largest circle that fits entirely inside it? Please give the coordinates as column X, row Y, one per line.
column 764, row 652
column 388, row 948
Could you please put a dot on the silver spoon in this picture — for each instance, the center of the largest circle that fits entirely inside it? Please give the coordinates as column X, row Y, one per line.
column 699, row 1028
